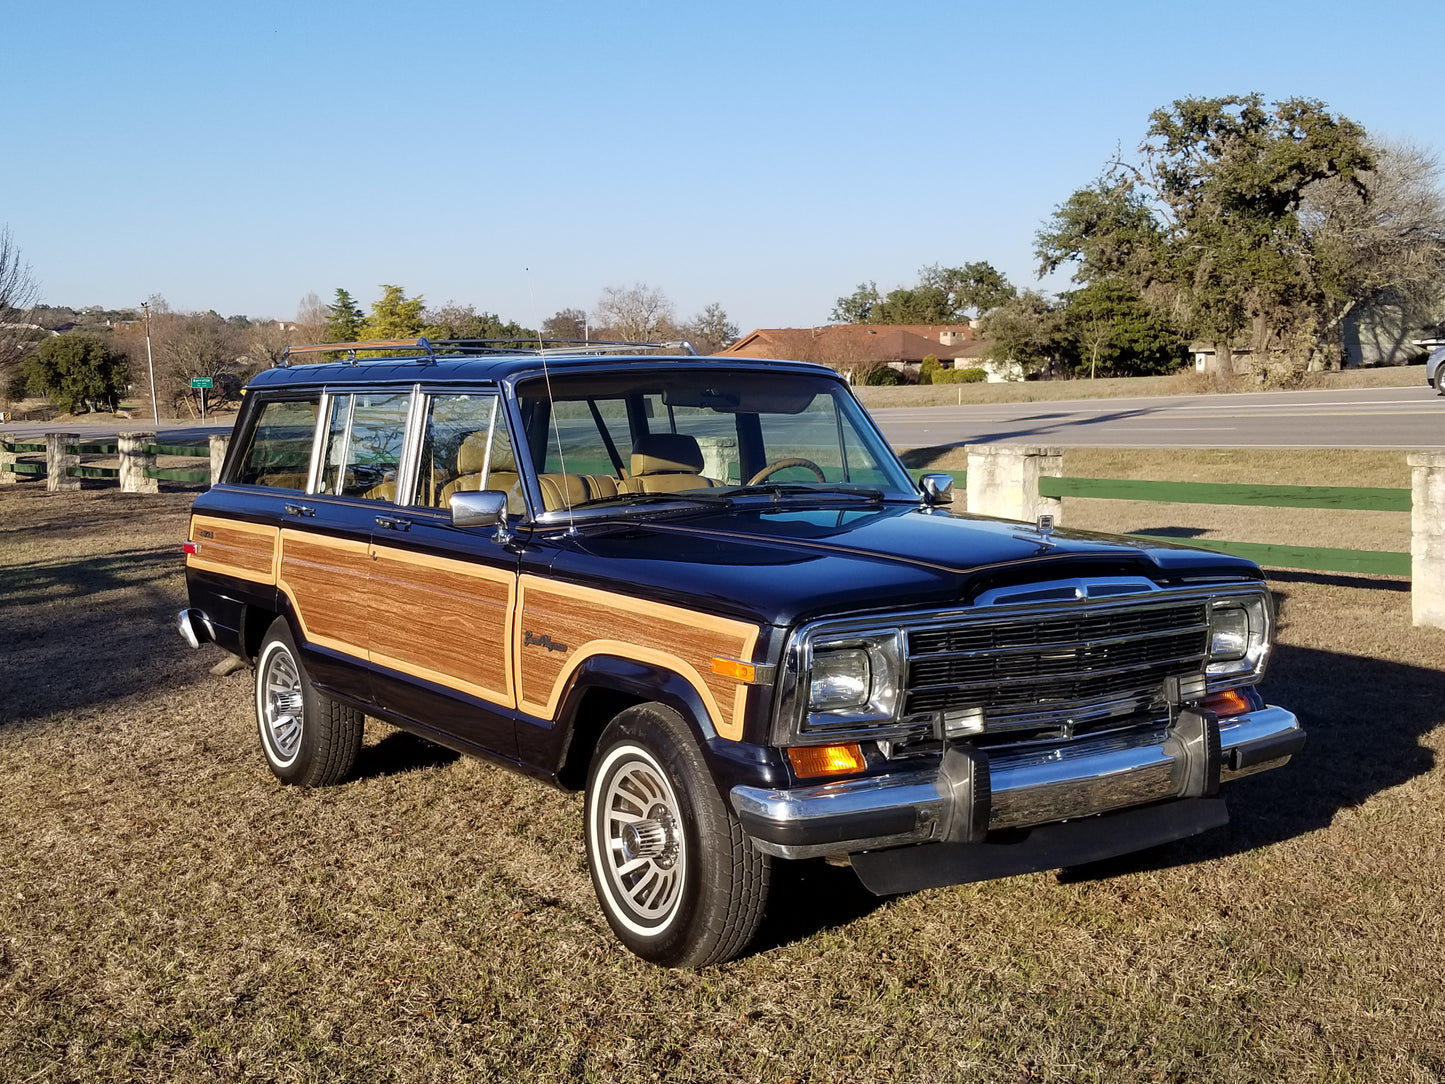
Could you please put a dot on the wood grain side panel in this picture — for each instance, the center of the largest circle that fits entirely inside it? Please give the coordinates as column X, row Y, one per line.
column 234, row 548
column 327, row 582
column 444, row 620
column 592, row 622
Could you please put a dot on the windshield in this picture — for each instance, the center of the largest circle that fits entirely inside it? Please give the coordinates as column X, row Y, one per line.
column 610, row 437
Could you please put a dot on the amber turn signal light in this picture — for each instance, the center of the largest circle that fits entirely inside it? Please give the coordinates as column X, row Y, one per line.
column 810, row 761
column 743, row 671
column 1228, row 702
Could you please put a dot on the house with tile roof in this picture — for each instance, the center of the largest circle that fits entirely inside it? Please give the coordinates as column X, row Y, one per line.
column 854, row 349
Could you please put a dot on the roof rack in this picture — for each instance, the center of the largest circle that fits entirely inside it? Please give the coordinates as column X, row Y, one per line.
column 424, row 349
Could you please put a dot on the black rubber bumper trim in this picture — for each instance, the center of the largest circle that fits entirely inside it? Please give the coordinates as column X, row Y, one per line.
column 837, row 829
column 1050, row 846
column 1261, row 752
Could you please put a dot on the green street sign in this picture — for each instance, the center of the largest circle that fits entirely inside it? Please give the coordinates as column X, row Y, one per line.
column 203, row 382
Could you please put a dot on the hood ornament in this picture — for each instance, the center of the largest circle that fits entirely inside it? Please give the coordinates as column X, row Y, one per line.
column 1043, row 529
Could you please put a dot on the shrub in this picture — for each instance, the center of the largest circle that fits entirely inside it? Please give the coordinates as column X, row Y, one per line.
column 928, row 371
column 882, row 377
column 960, row 376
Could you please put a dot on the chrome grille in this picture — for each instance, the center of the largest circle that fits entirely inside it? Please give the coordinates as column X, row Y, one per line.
column 1052, row 671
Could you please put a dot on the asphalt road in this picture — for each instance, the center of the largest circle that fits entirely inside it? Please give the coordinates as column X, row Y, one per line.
column 1410, row 419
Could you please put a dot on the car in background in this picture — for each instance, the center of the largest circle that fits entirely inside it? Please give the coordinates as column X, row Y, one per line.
column 1435, row 370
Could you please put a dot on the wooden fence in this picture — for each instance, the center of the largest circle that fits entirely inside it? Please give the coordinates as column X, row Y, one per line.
column 63, row 468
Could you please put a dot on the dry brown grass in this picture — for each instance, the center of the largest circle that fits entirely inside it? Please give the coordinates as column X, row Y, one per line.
column 169, row 912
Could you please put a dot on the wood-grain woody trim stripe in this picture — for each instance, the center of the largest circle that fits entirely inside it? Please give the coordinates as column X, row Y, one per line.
column 444, row 620
column 234, row 548
column 593, row 622
column 326, row 580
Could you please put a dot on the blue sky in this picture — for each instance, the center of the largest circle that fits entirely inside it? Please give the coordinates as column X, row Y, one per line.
column 520, row 157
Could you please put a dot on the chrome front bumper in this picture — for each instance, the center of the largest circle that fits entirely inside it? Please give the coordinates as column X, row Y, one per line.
column 967, row 795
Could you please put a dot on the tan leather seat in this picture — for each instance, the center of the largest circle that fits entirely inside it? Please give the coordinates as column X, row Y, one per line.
column 665, row 463
column 565, row 490
column 471, row 460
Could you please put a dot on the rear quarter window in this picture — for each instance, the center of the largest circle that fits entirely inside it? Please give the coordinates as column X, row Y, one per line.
column 278, row 447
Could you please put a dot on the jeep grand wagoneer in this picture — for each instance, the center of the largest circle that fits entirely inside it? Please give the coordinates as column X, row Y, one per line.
column 707, row 593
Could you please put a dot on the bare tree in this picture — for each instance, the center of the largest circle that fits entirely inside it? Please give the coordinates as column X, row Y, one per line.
column 1386, row 252
column 638, row 314
column 710, row 330
column 18, row 294
column 311, row 318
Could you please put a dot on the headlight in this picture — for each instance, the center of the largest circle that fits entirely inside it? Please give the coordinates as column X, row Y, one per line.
column 842, row 679
column 1238, row 636
column 1229, row 634
column 854, row 680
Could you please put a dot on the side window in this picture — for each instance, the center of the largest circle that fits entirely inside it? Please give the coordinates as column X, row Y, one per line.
column 363, row 444
column 466, row 447
column 278, row 449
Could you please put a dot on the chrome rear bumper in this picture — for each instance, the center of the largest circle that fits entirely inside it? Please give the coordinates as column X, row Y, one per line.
column 967, row 795
column 195, row 627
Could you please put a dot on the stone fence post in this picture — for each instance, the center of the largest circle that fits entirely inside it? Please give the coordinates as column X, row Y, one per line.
column 58, row 461
column 717, row 453
column 1427, row 538
column 7, row 460
column 1003, row 481
column 219, row 443
column 135, row 461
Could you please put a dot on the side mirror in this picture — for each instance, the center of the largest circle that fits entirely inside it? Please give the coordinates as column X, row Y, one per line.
column 937, row 489
column 481, row 508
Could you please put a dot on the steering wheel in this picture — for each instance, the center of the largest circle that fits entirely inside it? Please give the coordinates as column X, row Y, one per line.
column 782, row 464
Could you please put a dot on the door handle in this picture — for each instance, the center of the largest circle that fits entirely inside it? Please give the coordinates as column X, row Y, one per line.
column 392, row 523
column 299, row 510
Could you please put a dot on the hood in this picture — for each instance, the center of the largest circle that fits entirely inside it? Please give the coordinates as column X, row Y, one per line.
column 781, row 566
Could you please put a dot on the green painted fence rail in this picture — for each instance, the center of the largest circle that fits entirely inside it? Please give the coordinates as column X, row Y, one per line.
column 111, row 448
column 1308, row 558
column 169, row 474
column 195, row 451
column 1353, row 498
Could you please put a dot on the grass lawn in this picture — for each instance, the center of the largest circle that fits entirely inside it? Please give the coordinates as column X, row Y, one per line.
column 168, row 912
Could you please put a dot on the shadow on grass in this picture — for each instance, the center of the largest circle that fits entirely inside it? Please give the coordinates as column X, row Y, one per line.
column 1364, row 719
column 810, row 896
column 77, row 632
column 400, row 752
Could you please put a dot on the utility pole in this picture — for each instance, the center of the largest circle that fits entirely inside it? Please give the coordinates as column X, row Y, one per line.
column 150, row 363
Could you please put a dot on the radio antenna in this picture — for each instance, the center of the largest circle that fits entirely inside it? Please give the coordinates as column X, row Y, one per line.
column 552, row 413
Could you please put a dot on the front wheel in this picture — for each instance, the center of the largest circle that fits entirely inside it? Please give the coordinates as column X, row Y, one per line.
column 308, row 738
column 679, row 882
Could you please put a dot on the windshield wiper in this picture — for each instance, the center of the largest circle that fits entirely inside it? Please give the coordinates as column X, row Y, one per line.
column 777, row 490
column 689, row 497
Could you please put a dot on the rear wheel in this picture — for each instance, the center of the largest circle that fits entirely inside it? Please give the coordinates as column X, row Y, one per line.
column 678, row 880
column 308, row 738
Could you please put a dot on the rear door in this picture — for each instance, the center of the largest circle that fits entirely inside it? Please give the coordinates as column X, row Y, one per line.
column 326, row 535
column 442, row 597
